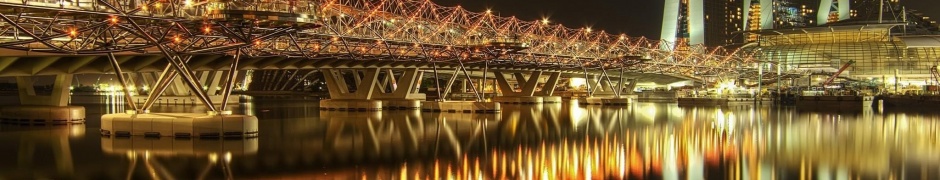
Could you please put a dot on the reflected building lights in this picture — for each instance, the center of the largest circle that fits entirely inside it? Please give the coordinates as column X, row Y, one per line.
column 647, row 141
column 686, row 151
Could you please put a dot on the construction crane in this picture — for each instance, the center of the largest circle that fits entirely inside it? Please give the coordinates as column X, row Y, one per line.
column 834, row 76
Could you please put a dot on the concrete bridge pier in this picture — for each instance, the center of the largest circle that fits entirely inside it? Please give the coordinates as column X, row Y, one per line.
column 400, row 92
column 479, row 105
column 42, row 109
column 527, row 93
column 177, row 93
column 359, row 97
column 607, row 93
column 217, row 122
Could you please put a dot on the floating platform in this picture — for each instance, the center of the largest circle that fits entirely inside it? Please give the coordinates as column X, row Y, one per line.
column 350, row 105
column 552, row 99
column 616, row 101
column 657, row 96
column 518, row 99
column 712, row 101
column 178, row 146
column 838, row 102
column 42, row 115
column 179, row 125
column 910, row 101
column 401, row 104
column 460, row 106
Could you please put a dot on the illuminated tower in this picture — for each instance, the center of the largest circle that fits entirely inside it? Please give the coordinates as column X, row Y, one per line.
column 684, row 20
column 683, row 23
column 832, row 10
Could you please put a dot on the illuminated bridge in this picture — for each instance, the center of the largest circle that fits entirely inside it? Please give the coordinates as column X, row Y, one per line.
column 368, row 51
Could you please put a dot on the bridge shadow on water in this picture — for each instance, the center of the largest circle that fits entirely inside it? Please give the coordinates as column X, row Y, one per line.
column 549, row 141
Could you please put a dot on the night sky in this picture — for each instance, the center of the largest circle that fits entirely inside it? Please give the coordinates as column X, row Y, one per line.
column 632, row 17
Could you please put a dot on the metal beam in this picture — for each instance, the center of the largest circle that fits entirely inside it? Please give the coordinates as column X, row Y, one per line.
column 230, row 81
column 128, row 97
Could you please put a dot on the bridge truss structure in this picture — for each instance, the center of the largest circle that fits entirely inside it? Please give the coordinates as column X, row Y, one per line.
column 340, row 33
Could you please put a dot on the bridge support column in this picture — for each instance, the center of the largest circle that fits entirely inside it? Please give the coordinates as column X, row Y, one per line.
column 176, row 92
column 215, row 123
column 548, row 89
column 629, row 90
column 446, row 105
column 607, row 93
column 43, row 109
column 402, row 92
column 343, row 98
column 527, row 93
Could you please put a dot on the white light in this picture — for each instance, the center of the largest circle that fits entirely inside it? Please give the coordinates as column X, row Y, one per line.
column 727, row 85
column 576, row 82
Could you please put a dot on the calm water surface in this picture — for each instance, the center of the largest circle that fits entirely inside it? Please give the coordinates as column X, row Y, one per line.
column 551, row 141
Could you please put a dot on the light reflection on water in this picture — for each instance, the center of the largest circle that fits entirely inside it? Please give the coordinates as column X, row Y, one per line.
column 551, row 141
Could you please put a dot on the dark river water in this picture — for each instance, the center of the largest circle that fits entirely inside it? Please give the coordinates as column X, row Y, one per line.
column 551, row 141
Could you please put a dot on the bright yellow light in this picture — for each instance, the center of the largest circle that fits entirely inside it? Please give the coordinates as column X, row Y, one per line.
column 727, row 85
column 213, row 158
column 73, row 32
column 577, row 82
column 545, row 21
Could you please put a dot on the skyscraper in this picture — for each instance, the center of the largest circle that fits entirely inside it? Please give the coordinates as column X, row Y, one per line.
column 684, row 20
column 683, row 23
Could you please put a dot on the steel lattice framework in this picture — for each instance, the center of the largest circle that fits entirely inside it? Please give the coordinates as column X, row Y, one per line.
column 401, row 30
column 348, row 30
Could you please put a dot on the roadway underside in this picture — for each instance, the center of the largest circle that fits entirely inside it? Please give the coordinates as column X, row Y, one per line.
column 20, row 63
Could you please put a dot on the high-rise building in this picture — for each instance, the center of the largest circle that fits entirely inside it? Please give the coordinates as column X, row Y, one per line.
column 684, row 20
column 683, row 23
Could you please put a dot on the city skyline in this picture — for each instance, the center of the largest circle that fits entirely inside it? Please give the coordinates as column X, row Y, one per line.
column 615, row 17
